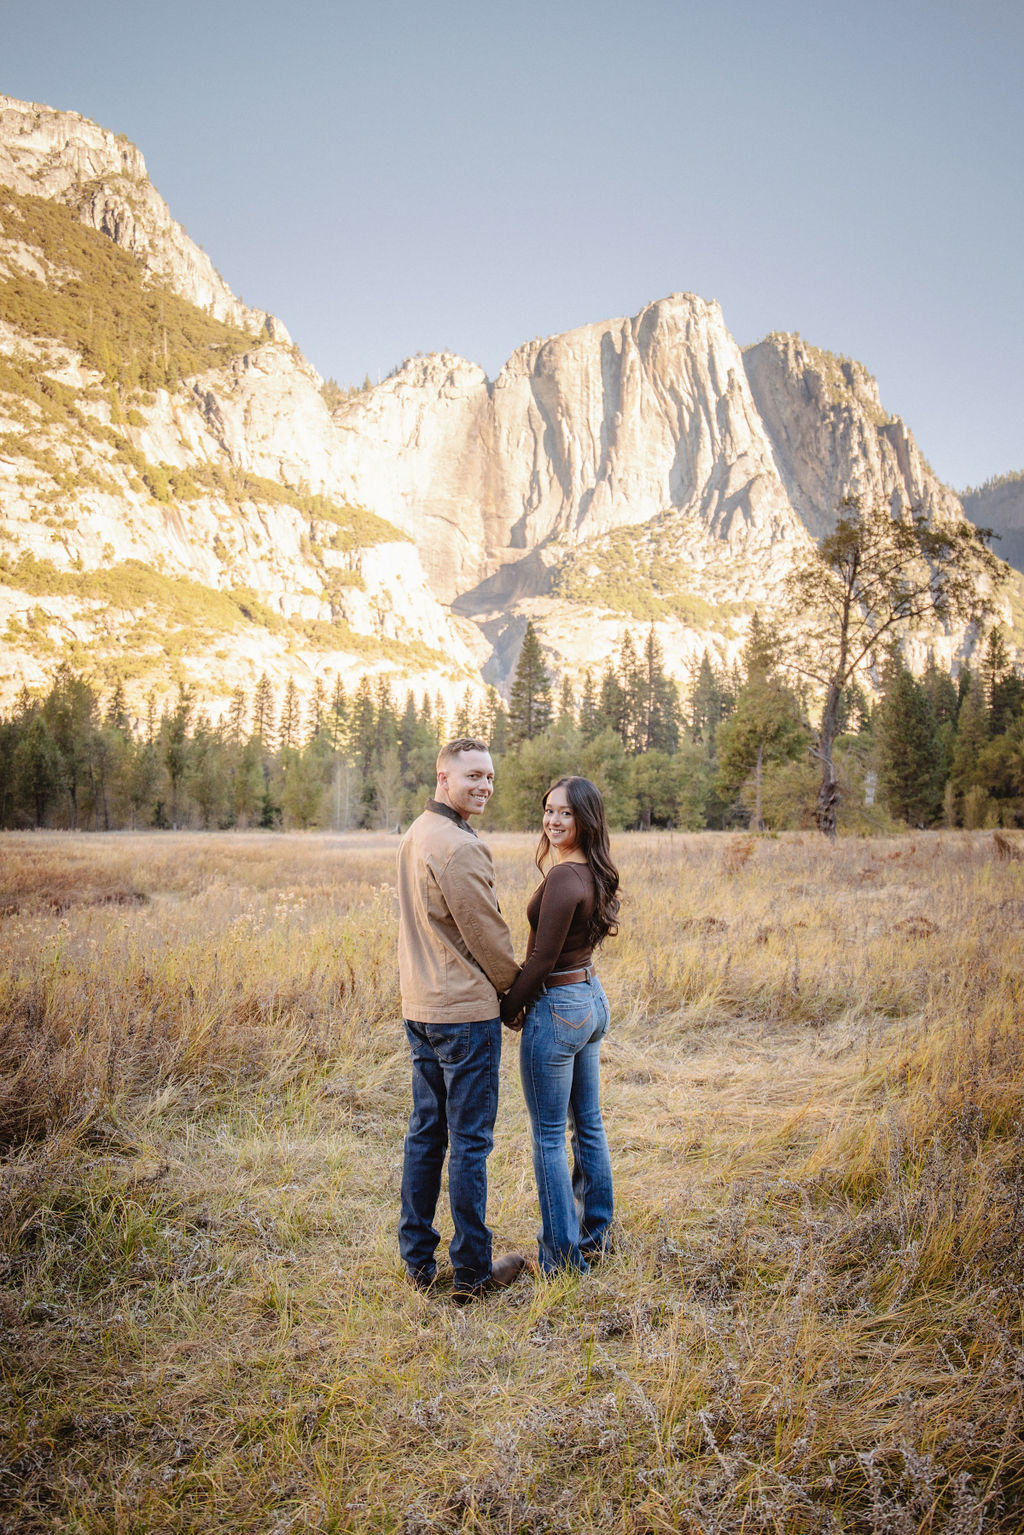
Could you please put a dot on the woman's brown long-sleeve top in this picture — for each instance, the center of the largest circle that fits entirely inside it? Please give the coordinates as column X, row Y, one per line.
column 559, row 911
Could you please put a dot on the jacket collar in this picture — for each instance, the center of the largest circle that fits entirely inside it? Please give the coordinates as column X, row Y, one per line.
column 453, row 815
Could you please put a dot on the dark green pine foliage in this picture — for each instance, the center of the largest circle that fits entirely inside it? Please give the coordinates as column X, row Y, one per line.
column 910, row 751
column 529, row 708
column 763, row 729
column 363, row 727
column 660, row 700
column 589, row 721
column 711, row 700
column 1004, row 690
column 263, row 722
column 71, row 711
column 972, row 732
column 611, row 704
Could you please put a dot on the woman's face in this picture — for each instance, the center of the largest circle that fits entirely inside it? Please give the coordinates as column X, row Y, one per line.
column 559, row 821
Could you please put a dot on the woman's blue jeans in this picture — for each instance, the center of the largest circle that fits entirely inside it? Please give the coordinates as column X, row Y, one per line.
column 558, row 1063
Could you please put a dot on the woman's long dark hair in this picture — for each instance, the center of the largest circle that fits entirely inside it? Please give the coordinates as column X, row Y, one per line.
column 587, row 807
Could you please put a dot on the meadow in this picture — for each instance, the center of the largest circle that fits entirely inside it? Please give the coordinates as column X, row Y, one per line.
column 814, row 1095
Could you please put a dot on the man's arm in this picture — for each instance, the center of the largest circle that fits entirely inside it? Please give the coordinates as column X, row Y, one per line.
column 467, row 883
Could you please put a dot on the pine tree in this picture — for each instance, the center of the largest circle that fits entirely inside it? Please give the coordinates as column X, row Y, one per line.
column 611, row 704
column 317, row 710
column 529, row 710
column 910, row 766
column 291, row 716
column 363, row 726
column 589, row 721
column 566, row 704
column 660, row 700
column 263, row 713
column 176, row 746
column 238, row 709
column 710, row 702
column 465, row 715
column 1004, row 691
column 496, row 734
column 995, row 665
column 941, row 689
column 762, row 651
column 408, row 732
column 632, row 682
column 338, row 716
column 385, row 737
column 764, row 728
column 36, row 765
column 972, row 733
column 71, row 710
column 117, row 709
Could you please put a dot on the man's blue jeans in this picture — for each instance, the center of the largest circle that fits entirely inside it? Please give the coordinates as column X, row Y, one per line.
column 558, row 1063
column 454, row 1103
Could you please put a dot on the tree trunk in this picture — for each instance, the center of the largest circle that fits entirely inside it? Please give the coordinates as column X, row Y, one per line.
column 826, row 814
column 758, row 778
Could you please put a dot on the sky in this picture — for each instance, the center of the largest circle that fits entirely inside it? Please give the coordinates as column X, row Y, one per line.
column 392, row 177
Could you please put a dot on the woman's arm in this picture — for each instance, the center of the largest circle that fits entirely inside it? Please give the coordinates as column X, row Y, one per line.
column 561, row 894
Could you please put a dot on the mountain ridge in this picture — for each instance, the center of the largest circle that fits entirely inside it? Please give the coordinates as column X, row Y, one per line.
column 507, row 499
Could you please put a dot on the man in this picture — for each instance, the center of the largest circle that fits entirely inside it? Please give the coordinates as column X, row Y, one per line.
column 454, row 958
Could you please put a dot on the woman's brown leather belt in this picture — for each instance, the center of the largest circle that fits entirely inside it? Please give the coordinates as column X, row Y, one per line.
column 568, row 977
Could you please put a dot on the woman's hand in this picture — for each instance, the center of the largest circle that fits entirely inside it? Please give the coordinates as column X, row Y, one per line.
column 516, row 1023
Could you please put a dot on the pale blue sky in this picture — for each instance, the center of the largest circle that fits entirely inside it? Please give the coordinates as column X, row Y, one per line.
column 397, row 177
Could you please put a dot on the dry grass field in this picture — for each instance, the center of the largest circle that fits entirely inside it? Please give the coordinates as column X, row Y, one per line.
column 814, row 1092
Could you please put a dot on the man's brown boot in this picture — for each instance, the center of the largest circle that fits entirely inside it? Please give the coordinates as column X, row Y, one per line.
column 504, row 1271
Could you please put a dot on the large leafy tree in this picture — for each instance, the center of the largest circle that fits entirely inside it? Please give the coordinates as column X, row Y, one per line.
column 875, row 575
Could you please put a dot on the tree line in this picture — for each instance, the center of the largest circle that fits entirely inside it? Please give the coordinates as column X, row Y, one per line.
column 731, row 747
column 734, row 747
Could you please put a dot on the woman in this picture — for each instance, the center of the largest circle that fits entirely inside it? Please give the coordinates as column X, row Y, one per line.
column 566, row 1014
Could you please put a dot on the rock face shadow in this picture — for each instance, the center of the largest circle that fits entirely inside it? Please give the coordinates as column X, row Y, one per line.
column 528, row 577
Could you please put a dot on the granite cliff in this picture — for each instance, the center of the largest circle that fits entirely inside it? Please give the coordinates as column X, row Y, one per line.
column 177, row 499
column 999, row 505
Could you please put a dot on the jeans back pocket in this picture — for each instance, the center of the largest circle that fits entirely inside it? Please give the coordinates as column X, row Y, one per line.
column 449, row 1041
column 572, row 1022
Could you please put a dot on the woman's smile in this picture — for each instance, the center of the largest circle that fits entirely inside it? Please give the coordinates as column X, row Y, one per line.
column 559, row 821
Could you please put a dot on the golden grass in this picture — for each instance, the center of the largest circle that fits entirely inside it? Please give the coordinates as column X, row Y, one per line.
column 813, row 1093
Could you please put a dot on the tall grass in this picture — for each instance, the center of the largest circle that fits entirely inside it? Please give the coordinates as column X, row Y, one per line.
column 812, row 1317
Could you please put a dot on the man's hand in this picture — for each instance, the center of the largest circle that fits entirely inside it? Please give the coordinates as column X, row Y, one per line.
column 516, row 1023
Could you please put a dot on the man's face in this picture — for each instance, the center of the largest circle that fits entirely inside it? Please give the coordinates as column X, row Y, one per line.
column 466, row 783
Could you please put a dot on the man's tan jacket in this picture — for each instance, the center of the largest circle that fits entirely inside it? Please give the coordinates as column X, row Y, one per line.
column 454, row 948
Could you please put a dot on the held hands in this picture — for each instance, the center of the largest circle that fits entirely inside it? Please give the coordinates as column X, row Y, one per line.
column 516, row 1023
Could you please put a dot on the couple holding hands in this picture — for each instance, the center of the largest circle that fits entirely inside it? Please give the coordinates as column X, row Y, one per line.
column 455, row 963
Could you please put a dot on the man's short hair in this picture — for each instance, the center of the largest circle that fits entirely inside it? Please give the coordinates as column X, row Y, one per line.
column 453, row 749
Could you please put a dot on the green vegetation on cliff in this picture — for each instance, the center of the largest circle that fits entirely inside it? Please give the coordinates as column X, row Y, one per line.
column 149, row 617
column 47, row 414
column 335, row 523
column 632, row 571
column 96, row 300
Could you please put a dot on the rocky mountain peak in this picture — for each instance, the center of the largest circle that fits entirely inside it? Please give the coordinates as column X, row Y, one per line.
column 66, row 158
column 631, row 471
